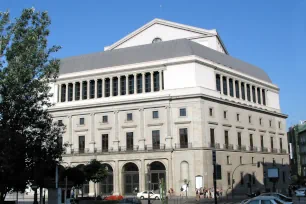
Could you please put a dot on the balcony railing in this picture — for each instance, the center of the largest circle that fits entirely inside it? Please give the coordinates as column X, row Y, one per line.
column 228, row 146
column 241, row 148
column 283, row 151
column 263, row 149
column 182, row 145
column 274, row 150
column 155, row 147
column 103, row 150
column 252, row 149
column 128, row 148
column 80, row 151
column 214, row 145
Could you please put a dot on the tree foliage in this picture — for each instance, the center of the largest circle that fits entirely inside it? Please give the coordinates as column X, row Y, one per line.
column 28, row 136
column 75, row 175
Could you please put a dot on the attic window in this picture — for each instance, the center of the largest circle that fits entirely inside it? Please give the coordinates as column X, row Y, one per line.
column 155, row 40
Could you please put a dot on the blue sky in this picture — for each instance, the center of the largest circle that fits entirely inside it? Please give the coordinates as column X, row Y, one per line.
column 269, row 34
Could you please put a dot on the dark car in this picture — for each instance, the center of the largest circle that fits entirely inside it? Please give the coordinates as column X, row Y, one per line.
column 130, row 201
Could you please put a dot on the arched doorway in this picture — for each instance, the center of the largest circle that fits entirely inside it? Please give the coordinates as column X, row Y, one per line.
column 130, row 174
column 157, row 172
column 107, row 185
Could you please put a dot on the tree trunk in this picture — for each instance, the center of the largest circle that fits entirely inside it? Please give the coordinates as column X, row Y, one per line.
column 95, row 191
column 2, row 196
column 40, row 195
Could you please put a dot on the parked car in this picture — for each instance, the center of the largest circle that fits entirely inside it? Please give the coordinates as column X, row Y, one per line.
column 265, row 199
column 278, row 195
column 144, row 195
column 244, row 201
column 300, row 192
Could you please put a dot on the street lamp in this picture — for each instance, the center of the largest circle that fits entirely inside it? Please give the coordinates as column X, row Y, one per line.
column 149, row 182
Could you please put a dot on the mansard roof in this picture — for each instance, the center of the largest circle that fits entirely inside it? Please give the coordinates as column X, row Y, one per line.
column 157, row 51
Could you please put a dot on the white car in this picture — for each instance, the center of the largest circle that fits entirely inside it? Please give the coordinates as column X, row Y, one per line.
column 300, row 192
column 144, row 195
column 280, row 196
column 265, row 200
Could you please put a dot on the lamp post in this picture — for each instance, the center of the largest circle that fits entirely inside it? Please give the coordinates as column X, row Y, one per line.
column 149, row 182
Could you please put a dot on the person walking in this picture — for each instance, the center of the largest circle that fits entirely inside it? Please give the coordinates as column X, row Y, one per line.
column 197, row 195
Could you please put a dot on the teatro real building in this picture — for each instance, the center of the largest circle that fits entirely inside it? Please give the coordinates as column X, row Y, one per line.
column 160, row 100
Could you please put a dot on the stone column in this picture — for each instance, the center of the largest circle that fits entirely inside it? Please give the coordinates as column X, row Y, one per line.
column 142, row 139
column 256, row 95
column 91, row 189
column 103, row 87
column 60, row 93
column 160, row 80
column 142, row 186
column 88, row 85
column 251, row 93
column 135, row 83
column 168, row 138
column 152, row 84
column 69, row 131
column 227, row 86
column 143, row 82
column 66, row 100
column 126, row 84
column 119, row 85
column 245, row 91
column 221, row 83
column 73, row 91
column 92, row 131
column 96, row 88
column 234, row 87
column 81, row 90
column 240, row 90
column 117, row 183
column 116, row 140
column 110, row 86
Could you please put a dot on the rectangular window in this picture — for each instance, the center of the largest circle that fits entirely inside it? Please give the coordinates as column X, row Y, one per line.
column 240, row 159
column 156, row 81
column 212, row 137
column 60, row 122
column 229, row 178
column 105, row 119
column 239, row 139
column 218, row 83
column 260, row 121
column 123, row 85
column 254, row 94
column 261, row 142
column 253, row 178
column 81, row 144
column 183, row 137
column 258, row 96
column 226, row 138
column 252, row 160
column 248, row 92
column 279, row 124
column 77, row 91
column 183, row 112
column 70, row 92
column 139, row 83
column 284, row 177
column 251, row 141
column 129, row 117
column 60, row 142
column 225, row 114
column 155, row 114
column 272, row 145
column 228, row 160
column 104, row 142
column 224, row 82
column 210, row 112
column 263, row 97
column 238, row 117
column 107, row 87
column 270, row 123
column 63, row 93
column 129, row 141
column 242, row 91
column 250, row 178
column 231, row 87
column 115, row 86
column 131, row 84
column 237, row 89
column 92, row 89
column 250, row 119
column 241, row 179
column 148, row 82
column 99, row 88
column 82, row 121
column 156, row 139
column 280, row 143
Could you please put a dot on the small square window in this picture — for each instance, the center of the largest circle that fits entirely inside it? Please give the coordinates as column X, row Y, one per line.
column 82, row 121
column 260, row 121
column 129, row 117
column 225, row 114
column 183, row 112
column 228, row 160
column 250, row 119
column 270, row 123
column 155, row 114
column 238, row 117
column 105, row 119
column 210, row 112
column 279, row 124
column 60, row 122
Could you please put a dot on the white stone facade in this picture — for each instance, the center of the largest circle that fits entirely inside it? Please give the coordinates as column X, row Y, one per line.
column 177, row 100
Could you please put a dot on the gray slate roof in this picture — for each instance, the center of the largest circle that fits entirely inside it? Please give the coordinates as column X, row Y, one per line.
column 157, row 51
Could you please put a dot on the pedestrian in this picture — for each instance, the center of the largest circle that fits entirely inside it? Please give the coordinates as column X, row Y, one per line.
column 197, row 195
column 221, row 191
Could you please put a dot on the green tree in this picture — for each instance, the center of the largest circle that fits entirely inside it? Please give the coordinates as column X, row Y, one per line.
column 95, row 172
column 28, row 136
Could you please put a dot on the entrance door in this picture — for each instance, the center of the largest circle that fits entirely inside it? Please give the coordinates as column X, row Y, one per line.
column 130, row 178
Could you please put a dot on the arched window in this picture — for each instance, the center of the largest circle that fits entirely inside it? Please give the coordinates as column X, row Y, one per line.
column 155, row 40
